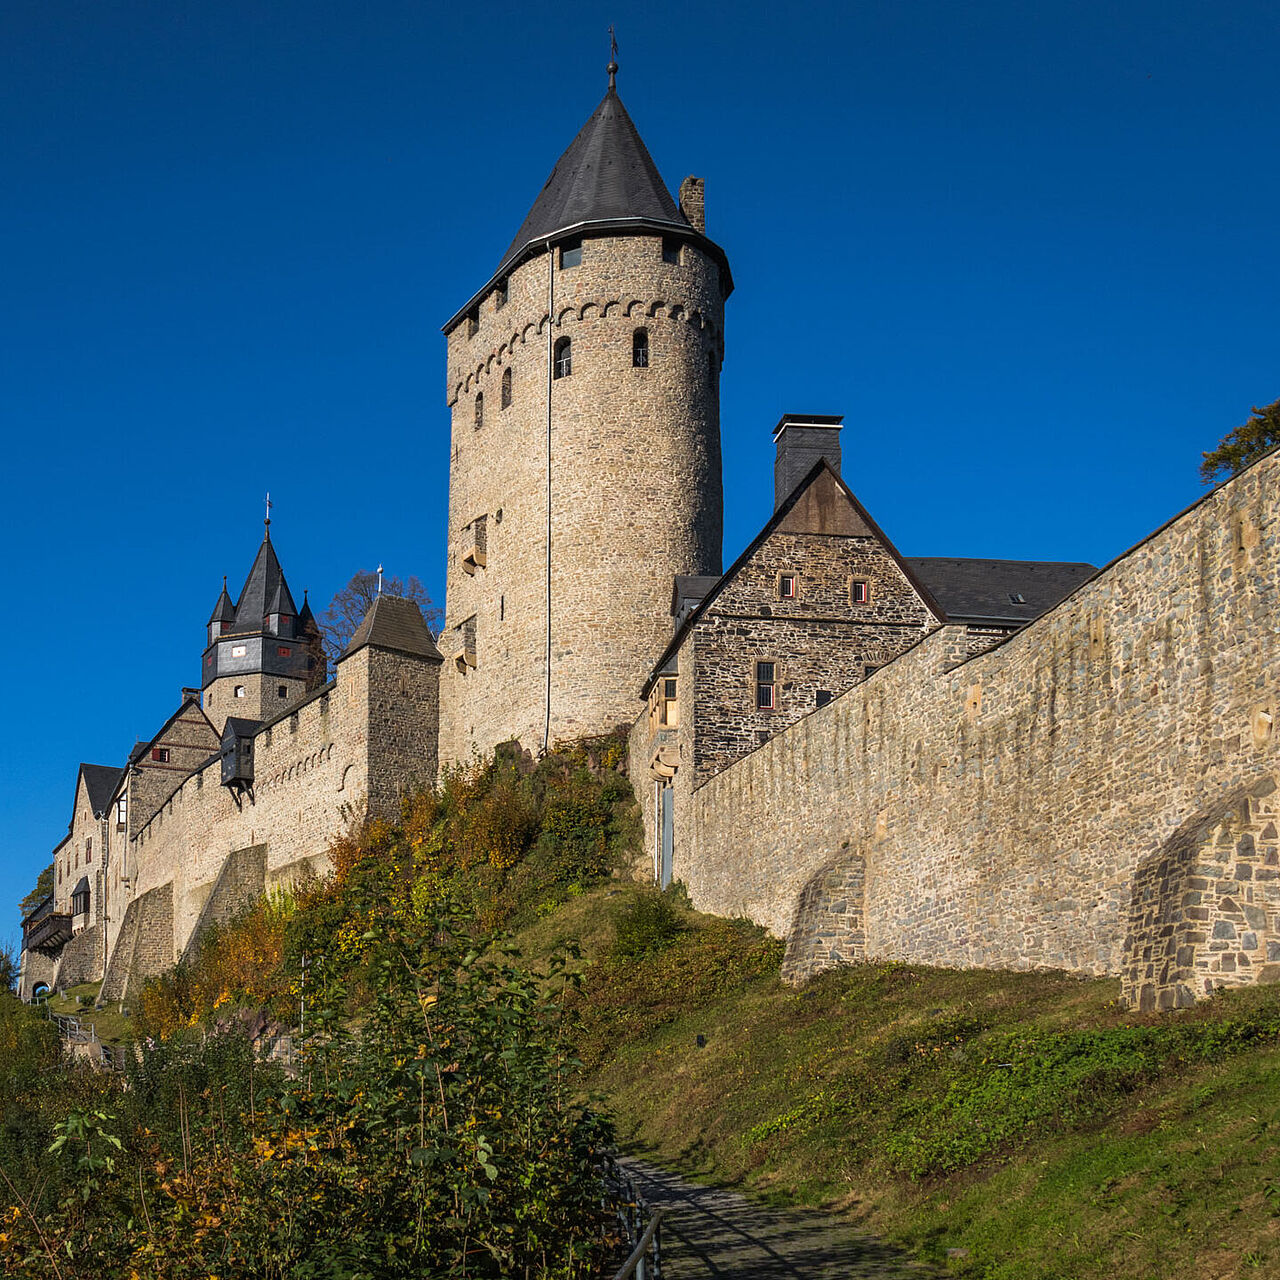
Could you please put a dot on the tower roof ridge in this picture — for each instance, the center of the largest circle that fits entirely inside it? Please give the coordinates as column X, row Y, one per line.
column 264, row 588
column 605, row 174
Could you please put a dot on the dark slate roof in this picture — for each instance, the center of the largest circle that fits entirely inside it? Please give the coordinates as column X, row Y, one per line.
column 82, row 886
column 239, row 727
column 605, row 175
column 100, row 782
column 261, row 589
column 689, row 591
column 397, row 624
column 224, row 610
column 281, row 601
column 984, row 590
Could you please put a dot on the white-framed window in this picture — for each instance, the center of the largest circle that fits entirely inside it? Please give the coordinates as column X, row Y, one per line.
column 859, row 591
column 788, row 586
column 238, row 691
column 237, row 651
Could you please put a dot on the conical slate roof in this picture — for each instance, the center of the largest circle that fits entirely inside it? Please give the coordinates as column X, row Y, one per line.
column 265, row 586
column 224, row 610
column 605, row 175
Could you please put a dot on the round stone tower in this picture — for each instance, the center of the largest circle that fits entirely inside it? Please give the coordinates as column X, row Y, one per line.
column 585, row 464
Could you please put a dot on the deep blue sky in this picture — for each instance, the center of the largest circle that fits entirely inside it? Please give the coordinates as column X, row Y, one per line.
column 1029, row 250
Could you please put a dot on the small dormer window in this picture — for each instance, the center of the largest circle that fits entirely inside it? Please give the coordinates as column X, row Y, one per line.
column 571, row 255
column 1016, row 597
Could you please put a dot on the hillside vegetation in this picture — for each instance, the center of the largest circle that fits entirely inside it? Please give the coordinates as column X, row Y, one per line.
column 1001, row 1125
column 458, row 1084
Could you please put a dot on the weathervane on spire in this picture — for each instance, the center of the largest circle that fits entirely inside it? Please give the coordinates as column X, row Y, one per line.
column 267, row 522
column 379, row 580
column 613, row 58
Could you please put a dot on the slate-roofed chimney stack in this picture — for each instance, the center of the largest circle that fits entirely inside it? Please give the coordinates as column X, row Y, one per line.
column 803, row 438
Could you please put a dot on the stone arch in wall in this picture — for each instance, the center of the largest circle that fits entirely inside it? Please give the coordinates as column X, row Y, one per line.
column 1205, row 908
column 829, row 926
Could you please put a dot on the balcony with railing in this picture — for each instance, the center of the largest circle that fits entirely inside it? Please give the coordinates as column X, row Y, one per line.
column 45, row 929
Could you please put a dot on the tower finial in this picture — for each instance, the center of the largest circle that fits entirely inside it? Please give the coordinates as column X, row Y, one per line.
column 266, row 524
column 379, row 581
column 613, row 60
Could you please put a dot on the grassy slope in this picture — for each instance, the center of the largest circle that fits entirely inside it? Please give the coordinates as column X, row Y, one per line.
column 1115, row 1146
column 112, row 1027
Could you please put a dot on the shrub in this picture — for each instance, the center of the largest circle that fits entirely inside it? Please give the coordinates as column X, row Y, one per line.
column 646, row 925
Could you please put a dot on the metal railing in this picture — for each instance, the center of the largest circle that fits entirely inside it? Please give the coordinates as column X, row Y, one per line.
column 641, row 1225
column 645, row 1260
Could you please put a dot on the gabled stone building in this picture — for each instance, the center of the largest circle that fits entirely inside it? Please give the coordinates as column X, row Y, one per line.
column 819, row 600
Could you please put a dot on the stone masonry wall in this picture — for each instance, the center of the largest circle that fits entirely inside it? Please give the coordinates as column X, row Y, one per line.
column 819, row 640
column 1007, row 811
column 316, row 770
column 635, row 493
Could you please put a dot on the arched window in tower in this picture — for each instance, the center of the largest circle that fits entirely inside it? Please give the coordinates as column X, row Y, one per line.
column 479, row 410
column 640, row 348
column 562, row 364
column 506, row 388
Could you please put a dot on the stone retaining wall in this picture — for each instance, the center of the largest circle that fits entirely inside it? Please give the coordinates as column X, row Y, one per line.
column 1017, row 810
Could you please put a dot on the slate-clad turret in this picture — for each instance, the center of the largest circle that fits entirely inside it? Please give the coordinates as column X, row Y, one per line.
column 585, row 469
column 262, row 655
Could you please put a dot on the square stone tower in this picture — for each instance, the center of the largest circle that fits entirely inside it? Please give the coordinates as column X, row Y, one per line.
column 585, row 464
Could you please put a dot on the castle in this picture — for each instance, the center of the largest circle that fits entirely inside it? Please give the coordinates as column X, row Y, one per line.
column 948, row 760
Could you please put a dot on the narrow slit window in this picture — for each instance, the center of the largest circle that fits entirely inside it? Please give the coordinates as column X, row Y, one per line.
column 640, row 349
column 563, row 359
column 766, row 686
column 479, row 410
column 506, row 388
column 860, row 591
column 502, row 294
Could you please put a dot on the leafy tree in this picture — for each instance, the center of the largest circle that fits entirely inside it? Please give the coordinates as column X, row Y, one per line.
column 1243, row 446
column 44, row 887
column 347, row 609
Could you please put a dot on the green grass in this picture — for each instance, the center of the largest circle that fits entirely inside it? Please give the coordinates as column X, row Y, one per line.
column 112, row 1027
column 1024, row 1118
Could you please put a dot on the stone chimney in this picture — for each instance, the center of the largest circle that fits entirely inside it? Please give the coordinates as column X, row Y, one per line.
column 693, row 202
column 803, row 438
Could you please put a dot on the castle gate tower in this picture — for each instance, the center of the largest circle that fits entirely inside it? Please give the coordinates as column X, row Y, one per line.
column 263, row 653
column 583, row 380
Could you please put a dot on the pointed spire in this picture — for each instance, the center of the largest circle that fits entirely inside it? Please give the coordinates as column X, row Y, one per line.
column 265, row 590
column 605, row 175
column 225, row 609
column 266, row 524
column 613, row 60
